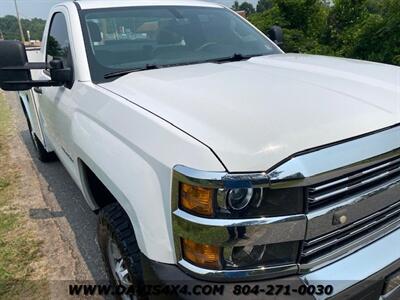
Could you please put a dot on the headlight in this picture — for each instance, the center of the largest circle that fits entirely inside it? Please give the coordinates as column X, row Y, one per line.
column 239, row 198
column 240, row 202
column 258, row 202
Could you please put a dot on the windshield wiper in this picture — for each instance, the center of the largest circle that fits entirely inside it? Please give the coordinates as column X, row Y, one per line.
column 234, row 57
column 127, row 71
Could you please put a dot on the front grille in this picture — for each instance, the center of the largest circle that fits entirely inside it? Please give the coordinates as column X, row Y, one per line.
column 341, row 188
column 381, row 221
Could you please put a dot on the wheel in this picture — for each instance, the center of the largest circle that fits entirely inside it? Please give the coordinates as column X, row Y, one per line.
column 41, row 152
column 119, row 248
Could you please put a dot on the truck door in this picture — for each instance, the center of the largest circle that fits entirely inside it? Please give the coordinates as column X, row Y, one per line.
column 56, row 102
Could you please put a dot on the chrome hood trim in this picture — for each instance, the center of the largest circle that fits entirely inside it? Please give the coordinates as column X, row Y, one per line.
column 337, row 159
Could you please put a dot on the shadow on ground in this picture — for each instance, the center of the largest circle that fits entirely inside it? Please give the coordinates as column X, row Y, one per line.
column 72, row 206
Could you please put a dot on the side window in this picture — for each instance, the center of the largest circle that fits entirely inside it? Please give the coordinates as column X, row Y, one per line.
column 58, row 45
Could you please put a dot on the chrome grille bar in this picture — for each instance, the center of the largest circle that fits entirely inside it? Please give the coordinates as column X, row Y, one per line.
column 335, row 190
column 359, row 229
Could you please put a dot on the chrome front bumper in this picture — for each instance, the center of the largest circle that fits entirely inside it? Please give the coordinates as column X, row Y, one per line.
column 360, row 276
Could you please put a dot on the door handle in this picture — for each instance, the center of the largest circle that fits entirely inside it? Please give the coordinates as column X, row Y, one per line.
column 38, row 90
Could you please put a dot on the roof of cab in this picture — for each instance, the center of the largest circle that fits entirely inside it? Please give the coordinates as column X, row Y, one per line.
column 93, row 4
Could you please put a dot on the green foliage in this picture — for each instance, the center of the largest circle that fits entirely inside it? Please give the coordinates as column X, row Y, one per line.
column 236, row 5
column 245, row 6
column 347, row 13
column 307, row 15
column 379, row 38
column 264, row 5
column 362, row 29
column 303, row 21
column 9, row 28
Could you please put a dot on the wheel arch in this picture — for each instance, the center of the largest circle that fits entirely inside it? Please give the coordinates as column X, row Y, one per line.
column 92, row 177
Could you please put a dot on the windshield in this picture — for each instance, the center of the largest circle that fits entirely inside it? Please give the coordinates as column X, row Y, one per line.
column 140, row 38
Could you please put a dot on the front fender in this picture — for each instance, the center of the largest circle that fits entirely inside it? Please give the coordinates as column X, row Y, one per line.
column 133, row 153
column 135, row 183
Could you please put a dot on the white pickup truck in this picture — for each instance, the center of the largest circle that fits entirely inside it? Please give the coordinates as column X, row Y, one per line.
column 214, row 157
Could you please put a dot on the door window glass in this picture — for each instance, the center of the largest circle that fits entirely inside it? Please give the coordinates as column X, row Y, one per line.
column 58, row 45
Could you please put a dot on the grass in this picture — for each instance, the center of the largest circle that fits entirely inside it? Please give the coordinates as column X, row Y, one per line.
column 3, row 184
column 19, row 249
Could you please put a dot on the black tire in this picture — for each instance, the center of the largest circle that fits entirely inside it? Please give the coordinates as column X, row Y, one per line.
column 114, row 224
column 41, row 152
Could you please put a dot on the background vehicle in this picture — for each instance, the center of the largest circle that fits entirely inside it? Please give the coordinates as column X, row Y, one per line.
column 210, row 154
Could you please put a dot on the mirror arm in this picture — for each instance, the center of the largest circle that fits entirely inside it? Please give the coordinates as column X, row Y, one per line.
column 28, row 66
column 36, row 83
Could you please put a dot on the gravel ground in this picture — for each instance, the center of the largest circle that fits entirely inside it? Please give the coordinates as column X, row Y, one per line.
column 67, row 225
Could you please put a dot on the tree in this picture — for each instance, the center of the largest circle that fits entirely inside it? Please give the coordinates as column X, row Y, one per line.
column 378, row 38
column 9, row 27
column 247, row 7
column 346, row 13
column 264, row 5
column 236, row 6
column 329, row 2
column 345, row 22
column 363, row 29
column 303, row 21
column 375, row 6
column 308, row 16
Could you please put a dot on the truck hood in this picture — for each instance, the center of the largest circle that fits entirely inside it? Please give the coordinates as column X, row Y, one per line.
column 255, row 113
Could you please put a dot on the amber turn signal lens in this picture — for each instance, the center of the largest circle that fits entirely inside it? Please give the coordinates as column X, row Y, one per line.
column 205, row 256
column 196, row 199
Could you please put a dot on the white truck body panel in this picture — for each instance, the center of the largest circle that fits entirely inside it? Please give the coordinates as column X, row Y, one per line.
column 246, row 111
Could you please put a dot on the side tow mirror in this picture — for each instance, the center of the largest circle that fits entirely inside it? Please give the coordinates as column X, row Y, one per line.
column 275, row 33
column 14, row 71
